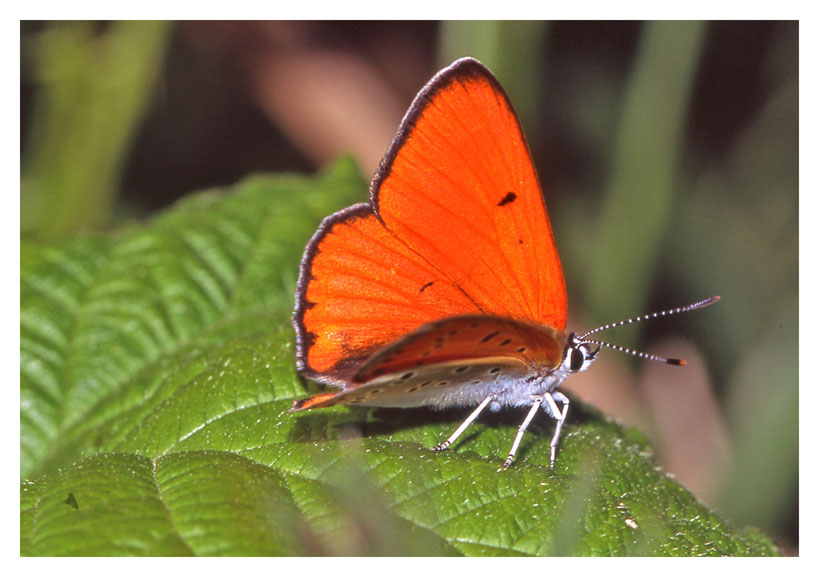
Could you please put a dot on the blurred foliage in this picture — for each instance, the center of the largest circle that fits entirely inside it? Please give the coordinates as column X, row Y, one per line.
column 93, row 88
column 668, row 153
column 157, row 371
column 646, row 165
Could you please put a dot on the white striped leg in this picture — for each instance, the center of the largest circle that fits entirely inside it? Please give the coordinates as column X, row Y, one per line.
column 474, row 415
column 559, row 416
column 522, row 429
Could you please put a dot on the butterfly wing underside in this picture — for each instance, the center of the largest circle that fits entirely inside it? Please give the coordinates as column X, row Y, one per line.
column 453, row 362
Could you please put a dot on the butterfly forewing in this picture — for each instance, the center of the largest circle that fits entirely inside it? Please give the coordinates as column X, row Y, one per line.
column 458, row 186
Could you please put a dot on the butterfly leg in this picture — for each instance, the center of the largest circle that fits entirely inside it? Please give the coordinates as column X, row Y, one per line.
column 474, row 415
column 559, row 416
column 522, row 429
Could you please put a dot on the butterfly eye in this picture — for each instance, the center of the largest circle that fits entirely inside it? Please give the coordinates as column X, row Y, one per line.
column 577, row 358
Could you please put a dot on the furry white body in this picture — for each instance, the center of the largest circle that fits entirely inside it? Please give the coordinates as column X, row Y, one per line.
column 509, row 385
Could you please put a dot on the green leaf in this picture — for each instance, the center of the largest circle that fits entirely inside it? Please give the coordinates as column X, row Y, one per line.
column 157, row 370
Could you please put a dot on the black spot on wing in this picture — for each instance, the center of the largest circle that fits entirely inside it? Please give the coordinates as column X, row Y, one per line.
column 508, row 198
column 489, row 337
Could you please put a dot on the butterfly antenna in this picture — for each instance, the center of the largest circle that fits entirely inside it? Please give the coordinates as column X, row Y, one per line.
column 638, row 354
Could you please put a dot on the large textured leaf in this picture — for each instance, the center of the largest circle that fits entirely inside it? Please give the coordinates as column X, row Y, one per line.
column 157, row 369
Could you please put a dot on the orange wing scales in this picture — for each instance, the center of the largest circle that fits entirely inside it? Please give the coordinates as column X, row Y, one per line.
column 457, row 159
column 363, row 289
column 313, row 402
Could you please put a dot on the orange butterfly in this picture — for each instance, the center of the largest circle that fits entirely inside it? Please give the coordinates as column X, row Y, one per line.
column 446, row 289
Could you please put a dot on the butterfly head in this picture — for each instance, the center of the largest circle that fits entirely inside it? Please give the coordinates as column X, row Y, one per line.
column 578, row 355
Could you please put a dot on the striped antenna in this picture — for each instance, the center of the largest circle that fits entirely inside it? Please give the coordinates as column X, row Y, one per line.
column 638, row 354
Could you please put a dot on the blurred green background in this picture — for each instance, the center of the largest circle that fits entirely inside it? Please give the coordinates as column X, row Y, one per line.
column 667, row 152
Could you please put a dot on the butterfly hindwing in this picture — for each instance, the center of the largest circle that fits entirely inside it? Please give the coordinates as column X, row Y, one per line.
column 453, row 362
column 441, row 385
column 466, row 339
